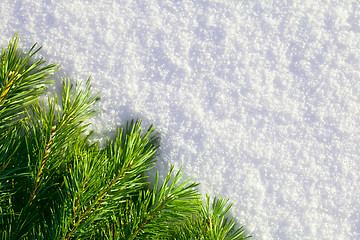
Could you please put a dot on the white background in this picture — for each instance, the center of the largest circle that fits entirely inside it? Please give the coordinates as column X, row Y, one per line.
column 258, row 100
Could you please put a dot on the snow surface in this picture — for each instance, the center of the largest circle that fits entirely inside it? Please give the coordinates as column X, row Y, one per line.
column 258, row 100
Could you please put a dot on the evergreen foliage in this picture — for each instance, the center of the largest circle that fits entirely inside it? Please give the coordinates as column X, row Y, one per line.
column 54, row 184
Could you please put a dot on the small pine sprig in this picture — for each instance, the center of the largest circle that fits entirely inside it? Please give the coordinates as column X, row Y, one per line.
column 21, row 81
column 210, row 223
column 100, row 181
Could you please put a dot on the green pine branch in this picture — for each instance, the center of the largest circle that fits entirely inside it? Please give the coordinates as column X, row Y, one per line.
column 21, row 81
column 54, row 184
column 210, row 223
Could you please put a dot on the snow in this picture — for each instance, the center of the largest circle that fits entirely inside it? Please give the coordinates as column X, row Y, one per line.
column 258, row 100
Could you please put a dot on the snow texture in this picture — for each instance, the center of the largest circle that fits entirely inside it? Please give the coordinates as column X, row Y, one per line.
column 258, row 100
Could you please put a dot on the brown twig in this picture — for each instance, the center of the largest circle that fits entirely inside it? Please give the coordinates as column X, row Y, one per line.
column 77, row 202
column 46, row 154
column 9, row 85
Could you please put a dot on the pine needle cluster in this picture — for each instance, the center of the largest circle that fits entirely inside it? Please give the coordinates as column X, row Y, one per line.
column 54, row 184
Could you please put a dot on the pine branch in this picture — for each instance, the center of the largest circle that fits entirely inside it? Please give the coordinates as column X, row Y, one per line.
column 48, row 133
column 20, row 81
column 54, row 184
column 123, row 162
column 20, row 84
column 160, row 210
column 210, row 223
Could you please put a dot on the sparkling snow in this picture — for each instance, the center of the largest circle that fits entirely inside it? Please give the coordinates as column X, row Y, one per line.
column 258, row 100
